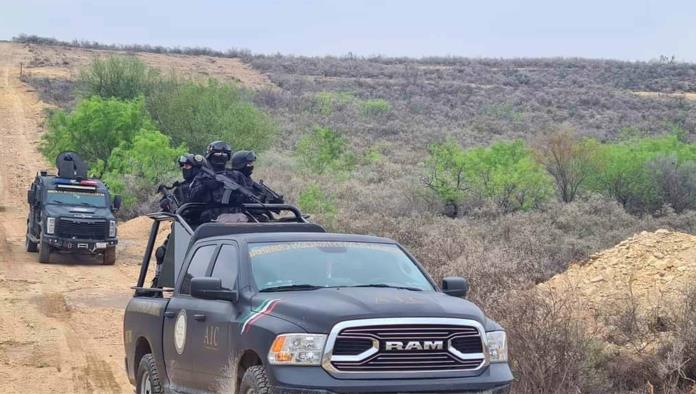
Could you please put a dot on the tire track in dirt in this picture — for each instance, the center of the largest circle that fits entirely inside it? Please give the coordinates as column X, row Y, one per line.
column 50, row 339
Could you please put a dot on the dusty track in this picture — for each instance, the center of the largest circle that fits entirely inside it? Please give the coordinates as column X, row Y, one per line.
column 60, row 324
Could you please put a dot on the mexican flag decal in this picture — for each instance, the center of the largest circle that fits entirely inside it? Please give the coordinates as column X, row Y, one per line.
column 256, row 313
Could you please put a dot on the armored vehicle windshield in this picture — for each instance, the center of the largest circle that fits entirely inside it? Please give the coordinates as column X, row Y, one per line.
column 96, row 199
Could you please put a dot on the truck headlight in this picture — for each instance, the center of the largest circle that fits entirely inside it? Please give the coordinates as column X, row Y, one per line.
column 50, row 225
column 112, row 228
column 497, row 346
column 297, row 349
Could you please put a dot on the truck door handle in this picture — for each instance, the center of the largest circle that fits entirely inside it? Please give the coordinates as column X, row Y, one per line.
column 169, row 314
column 199, row 317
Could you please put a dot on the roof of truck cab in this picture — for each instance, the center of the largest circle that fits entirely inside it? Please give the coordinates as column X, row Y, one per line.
column 269, row 232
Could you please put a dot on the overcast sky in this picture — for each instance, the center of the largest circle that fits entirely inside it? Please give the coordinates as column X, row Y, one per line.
column 617, row 29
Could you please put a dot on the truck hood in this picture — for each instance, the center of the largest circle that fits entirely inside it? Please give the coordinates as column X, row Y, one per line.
column 78, row 211
column 317, row 311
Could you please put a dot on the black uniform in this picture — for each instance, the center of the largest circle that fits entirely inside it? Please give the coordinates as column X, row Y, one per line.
column 208, row 190
column 190, row 165
column 242, row 168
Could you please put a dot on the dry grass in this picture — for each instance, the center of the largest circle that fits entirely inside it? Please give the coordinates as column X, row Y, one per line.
column 503, row 256
column 677, row 95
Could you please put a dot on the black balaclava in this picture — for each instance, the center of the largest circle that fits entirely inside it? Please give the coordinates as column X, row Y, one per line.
column 243, row 161
column 188, row 173
column 247, row 170
column 218, row 160
column 218, row 154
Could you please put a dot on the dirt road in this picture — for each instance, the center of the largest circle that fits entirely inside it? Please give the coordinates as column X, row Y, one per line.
column 60, row 324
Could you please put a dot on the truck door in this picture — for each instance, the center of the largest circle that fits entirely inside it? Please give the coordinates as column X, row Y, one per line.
column 216, row 364
column 34, row 221
column 181, row 344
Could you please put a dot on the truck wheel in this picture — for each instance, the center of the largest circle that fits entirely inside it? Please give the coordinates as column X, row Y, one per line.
column 44, row 253
column 109, row 256
column 255, row 381
column 147, row 379
column 31, row 247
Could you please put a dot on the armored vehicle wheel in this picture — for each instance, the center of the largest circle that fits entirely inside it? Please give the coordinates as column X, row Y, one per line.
column 147, row 378
column 255, row 381
column 109, row 256
column 44, row 253
column 31, row 247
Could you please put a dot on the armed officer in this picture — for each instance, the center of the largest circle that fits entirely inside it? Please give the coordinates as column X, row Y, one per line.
column 242, row 168
column 190, row 166
column 207, row 187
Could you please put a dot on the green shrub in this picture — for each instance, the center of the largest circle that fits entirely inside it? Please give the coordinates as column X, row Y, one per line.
column 120, row 143
column 148, row 158
column 446, row 168
column 324, row 150
column 195, row 114
column 122, row 77
column 374, row 154
column 375, row 107
column 94, row 129
column 504, row 173
column 626, row 174
column 327, row 102
column 314, row 200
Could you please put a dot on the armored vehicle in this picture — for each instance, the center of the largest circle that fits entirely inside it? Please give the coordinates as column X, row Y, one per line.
column 71, row 213
column 282, row 306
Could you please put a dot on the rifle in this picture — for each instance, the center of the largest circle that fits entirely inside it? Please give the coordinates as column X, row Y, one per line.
column 169, row 196
column 270, row 195
column 230, row 187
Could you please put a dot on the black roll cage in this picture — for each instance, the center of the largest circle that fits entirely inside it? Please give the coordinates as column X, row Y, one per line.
column 181, row 226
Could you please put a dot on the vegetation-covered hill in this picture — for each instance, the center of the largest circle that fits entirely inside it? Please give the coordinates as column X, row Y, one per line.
column 355, row 149
column 480, row 100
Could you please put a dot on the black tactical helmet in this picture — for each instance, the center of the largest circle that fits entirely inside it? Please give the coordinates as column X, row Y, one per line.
column 194, row 161
column 242, row 158
column 190, row 158
column 218, row 154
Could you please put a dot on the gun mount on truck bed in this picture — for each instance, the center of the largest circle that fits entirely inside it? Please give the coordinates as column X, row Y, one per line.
column 283, row 306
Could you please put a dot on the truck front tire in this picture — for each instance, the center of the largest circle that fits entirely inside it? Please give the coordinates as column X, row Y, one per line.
column 31, row 247
column 147, row 379
column 255, row 381
column 44, row 253
column 109, row 256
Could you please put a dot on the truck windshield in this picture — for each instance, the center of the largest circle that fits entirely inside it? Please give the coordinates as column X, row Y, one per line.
column 281, row 266
column 76, row 198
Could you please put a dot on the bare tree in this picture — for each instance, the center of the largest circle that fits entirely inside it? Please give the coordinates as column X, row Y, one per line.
column 567, row 158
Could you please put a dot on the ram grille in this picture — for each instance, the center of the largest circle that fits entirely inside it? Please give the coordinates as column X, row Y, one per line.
column 400, row 348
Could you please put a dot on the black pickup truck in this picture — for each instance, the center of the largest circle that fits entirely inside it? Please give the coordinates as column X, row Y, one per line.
column 284, row 307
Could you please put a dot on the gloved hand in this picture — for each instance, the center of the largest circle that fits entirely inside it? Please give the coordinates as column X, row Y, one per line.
column 165, row 205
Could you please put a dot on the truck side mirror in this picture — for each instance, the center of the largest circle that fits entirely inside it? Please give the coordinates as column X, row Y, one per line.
column 211, row 289
column 30, row 197
column 455, row 286
column 116, row 205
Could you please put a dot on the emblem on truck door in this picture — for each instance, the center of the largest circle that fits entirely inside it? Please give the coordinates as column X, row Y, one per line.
column 180, row 332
